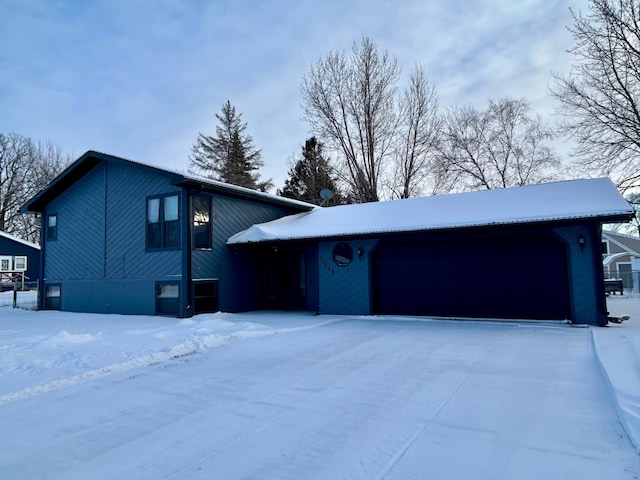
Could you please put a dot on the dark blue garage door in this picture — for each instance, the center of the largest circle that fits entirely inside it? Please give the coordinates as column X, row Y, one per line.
column 514, row 277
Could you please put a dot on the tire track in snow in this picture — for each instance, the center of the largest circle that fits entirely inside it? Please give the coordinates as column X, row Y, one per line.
column 414, row 437
column 189, row 347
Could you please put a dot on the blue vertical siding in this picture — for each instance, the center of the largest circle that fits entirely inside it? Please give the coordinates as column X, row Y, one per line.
column 78, row 251
column 239, row 270
column 122, row 296
column 345, row 290
column 128, row 188
column 586, row 282
column 99, row 258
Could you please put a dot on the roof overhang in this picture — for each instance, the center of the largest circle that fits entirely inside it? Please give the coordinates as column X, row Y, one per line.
column 91, row 159
column 592, row 201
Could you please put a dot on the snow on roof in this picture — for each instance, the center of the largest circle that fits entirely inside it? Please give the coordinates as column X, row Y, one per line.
column 19, row 240
column 573, row 199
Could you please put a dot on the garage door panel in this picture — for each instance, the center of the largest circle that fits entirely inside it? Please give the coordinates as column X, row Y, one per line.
column 512, row 277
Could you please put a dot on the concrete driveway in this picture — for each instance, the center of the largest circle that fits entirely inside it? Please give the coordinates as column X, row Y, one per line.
column 359, row 398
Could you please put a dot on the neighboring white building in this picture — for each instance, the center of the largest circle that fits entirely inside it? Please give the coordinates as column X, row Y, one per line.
column 621, row 258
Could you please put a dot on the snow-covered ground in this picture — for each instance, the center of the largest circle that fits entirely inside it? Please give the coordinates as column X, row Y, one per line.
column 296, row 396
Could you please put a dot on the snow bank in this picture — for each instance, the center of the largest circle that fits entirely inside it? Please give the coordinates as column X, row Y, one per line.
column 617, row 352
column 92, row 346
column 63, row 338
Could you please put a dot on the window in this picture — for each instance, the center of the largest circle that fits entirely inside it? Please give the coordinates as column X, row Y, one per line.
column 205, row 296
column 52, row 297
column 52, row 227
column 5, row 263
column 20, row 263
column 163, row 227
column 342, row 254
column 167, row 298
column 201, row 221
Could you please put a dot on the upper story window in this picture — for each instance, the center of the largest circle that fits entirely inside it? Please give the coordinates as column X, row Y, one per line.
column 52, row 227
column 163, row 226
column 201, row 221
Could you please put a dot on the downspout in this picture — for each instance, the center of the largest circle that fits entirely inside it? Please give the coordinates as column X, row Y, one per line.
column 41, row 297
column 596, row 255
column 104, row 220
column 186, row 306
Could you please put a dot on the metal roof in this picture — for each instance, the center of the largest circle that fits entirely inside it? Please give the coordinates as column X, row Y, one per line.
column 594, row 199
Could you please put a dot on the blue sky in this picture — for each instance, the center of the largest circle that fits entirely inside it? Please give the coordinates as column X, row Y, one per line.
column 141, row 78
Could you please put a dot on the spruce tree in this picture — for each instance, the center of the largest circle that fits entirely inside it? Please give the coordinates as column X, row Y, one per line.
column 229, row 156
column 309, row 175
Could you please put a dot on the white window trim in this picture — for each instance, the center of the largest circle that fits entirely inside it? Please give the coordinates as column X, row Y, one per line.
column 4, row 258
column 15, row 263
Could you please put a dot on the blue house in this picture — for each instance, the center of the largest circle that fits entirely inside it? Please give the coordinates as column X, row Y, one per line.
column 18, row 259
column 530, row 252
column 124, row 237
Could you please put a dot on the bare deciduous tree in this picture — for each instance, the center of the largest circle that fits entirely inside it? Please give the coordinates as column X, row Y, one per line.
column 600, row 97
column 350, row 103
column 417, row 139
column 501, row 146
column 25, row 168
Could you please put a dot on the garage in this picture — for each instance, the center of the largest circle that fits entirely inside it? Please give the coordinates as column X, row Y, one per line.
column 513, row 276
column 531, row 252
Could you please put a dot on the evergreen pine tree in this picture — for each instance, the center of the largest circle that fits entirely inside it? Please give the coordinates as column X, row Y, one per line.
column 309, row 175
column 229, row 156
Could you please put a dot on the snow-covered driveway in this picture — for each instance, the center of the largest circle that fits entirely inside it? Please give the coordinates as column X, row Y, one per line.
column 354, row 398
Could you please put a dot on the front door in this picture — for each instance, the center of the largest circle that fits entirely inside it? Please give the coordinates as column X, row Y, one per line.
column 285, row 279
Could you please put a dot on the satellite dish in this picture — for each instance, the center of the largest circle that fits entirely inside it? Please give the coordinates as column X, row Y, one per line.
column 325, row 195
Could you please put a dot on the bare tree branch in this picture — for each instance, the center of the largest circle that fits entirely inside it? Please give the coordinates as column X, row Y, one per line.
column 415, row 172
column 600, row 96
column 350, row 102
column 25, row 168
column 495, row 148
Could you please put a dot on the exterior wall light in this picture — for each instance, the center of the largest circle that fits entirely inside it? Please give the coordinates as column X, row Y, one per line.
column 581, row 242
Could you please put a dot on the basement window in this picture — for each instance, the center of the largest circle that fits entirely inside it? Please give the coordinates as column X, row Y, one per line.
column 167, row 298
column 52, row 297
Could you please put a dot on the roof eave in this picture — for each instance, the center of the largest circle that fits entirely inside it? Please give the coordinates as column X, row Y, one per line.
column 72, row 174
column 91, row 158
column 235, row 191
column 621, row 217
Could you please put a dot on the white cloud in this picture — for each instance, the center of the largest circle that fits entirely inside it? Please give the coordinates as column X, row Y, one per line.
column 141, row 79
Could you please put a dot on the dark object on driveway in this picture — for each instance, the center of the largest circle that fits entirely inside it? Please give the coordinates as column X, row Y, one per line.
column 613, row 285
column 618, row 319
